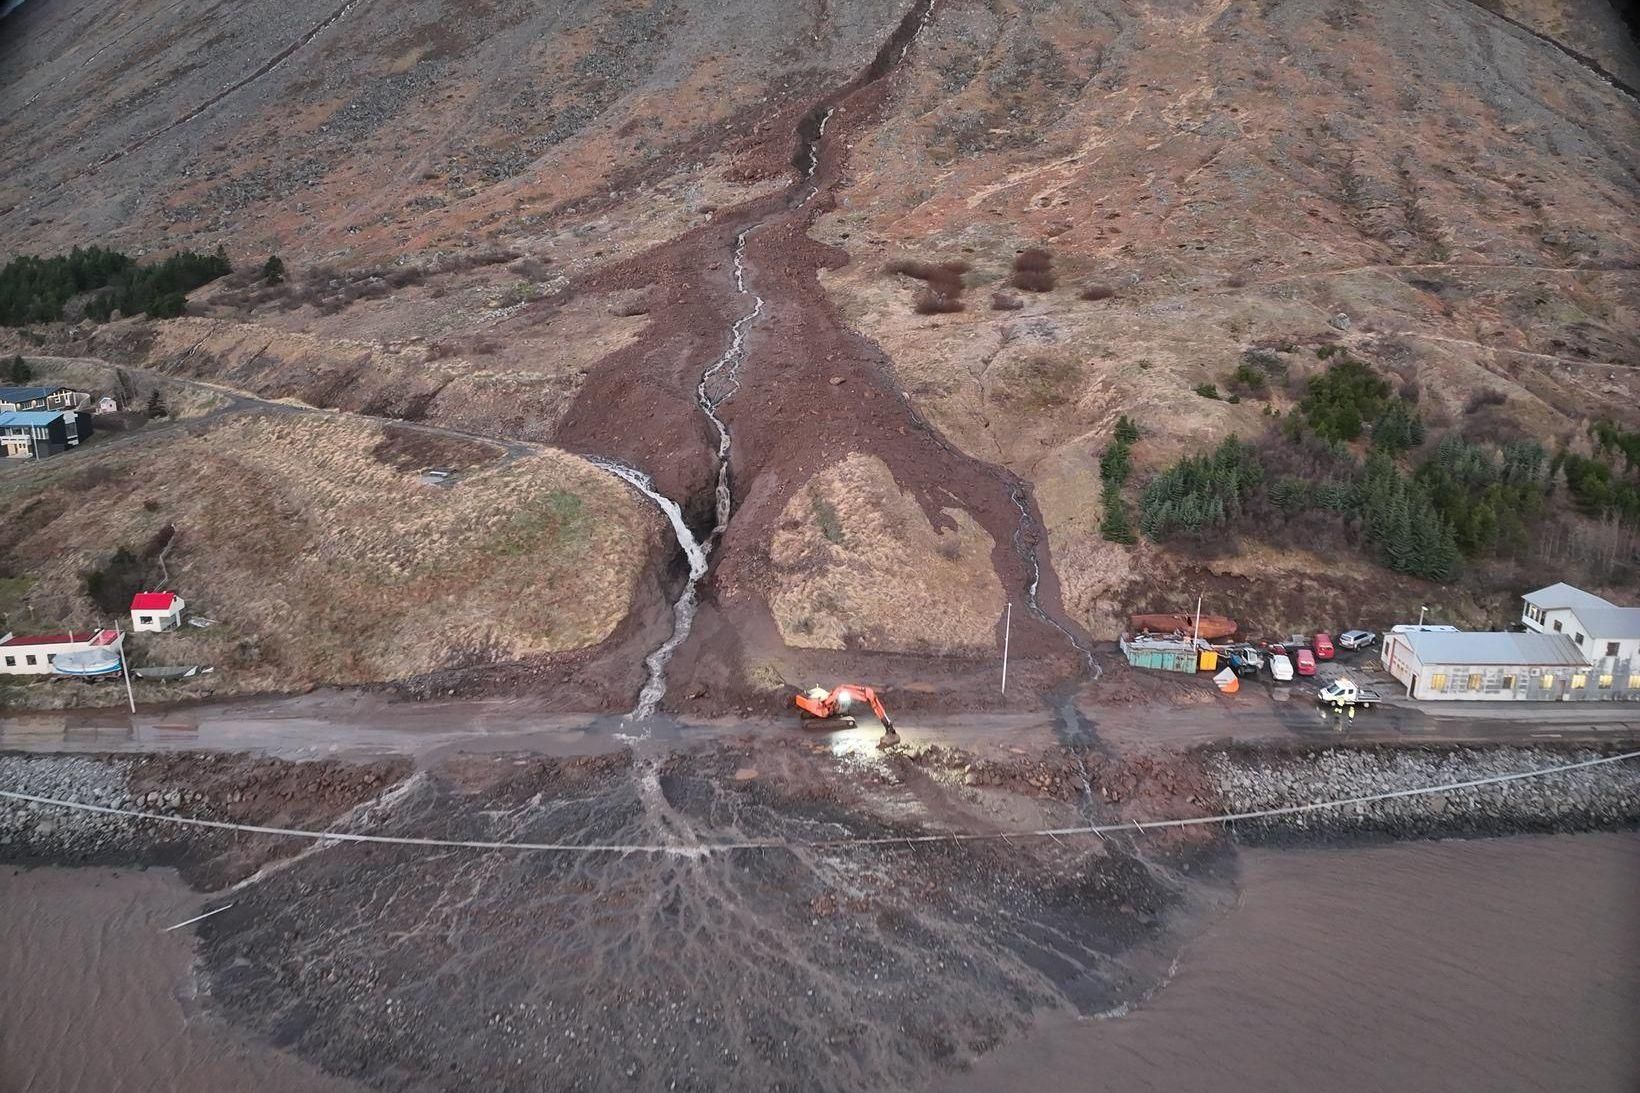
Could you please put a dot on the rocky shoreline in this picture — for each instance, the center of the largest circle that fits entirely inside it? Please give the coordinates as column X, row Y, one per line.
column 1248, row 780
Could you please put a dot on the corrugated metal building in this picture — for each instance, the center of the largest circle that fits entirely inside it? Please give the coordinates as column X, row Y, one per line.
column 1496, row 666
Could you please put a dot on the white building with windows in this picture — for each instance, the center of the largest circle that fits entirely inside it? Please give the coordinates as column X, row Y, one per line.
column 35, row 655
column 1576, row 647
column 156, row 611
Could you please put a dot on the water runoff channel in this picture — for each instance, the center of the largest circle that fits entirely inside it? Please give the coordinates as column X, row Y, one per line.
column 718, row 383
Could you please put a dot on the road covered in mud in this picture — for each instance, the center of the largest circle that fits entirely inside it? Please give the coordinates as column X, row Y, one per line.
column 847, row 953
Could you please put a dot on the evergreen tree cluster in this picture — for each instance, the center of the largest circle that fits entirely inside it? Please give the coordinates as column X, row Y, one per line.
column 1598, row 490
column 1487, row 502
column 160, row 290
column 1202, row 492
column 1115, row 465
column 1400, row 520
column 1338, row 404
column 1609, row 437
column 18, row 371
column 34, row 290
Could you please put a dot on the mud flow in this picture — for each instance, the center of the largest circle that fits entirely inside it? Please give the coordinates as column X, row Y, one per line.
column 789, row 390
column 765, row 969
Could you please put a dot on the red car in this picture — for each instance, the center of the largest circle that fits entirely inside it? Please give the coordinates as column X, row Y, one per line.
column 1323, row 646
column 1304, row 662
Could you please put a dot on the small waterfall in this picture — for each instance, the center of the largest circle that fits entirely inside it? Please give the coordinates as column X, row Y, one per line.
column 683, row 611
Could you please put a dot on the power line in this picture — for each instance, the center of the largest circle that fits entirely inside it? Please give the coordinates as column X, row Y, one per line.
column 698, row 850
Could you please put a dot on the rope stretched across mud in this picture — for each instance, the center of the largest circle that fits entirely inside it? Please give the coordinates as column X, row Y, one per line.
column 702, row 849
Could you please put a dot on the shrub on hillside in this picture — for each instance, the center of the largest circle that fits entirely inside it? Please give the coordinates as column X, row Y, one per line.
column 1033, row 270
column 1097, row 292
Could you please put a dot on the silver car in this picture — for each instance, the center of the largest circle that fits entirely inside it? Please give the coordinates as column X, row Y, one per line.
column 1356, row 639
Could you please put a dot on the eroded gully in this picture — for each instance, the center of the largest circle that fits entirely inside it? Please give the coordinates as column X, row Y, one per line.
column 721, row 379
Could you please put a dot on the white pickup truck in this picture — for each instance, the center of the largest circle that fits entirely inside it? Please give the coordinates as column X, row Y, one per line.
column 1343, row 692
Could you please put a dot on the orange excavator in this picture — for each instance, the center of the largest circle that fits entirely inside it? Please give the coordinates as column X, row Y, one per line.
column 822, row 705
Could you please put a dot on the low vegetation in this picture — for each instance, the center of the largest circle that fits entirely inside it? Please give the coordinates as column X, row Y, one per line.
column 1033, row 271
column 943, row 284
column 1422, row 507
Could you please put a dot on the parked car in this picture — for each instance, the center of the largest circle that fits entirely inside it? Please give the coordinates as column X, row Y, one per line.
column 1304, row 660
column 1356, row 639
column 1345, row 692
column 1281, row 668
column 1323, row 646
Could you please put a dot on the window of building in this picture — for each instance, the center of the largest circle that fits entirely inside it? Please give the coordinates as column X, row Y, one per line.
column 1474, row 681
column 1548, row 680
column 145, row 618
column 1437, row 682
column 11, row 662
column 1508, row 683
column 1611, row 648
column 1535, row 613
column 51, row 658
column 1578, row 637
column 30, row 659
column 1634, row 682
column 1580, row 681
column 1557, row 626
column 1606, row 681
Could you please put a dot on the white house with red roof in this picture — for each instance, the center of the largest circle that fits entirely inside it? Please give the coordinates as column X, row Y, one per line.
column 22, row 655
column 156, row 611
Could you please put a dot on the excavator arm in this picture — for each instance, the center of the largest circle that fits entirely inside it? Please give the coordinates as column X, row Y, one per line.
column 876, row 706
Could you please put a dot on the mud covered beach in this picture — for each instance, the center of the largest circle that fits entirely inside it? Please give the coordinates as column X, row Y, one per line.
column 810, row 964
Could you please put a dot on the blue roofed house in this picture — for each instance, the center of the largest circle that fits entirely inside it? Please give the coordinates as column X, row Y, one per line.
column 40, row 398
column 34, row 434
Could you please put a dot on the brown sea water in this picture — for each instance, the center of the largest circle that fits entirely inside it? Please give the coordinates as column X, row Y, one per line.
column 1502, row 964
column 99, row 998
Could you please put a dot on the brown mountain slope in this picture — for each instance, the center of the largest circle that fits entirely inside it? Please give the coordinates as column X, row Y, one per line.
column 522, row 222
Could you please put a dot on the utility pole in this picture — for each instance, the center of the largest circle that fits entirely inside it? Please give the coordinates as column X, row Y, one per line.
column 125, row 669
column 1007, row 626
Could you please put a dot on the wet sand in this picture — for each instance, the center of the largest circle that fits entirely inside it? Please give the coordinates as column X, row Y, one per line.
column 98, row 999
column 1506, row 964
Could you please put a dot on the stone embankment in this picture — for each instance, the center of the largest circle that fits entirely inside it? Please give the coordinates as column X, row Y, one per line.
column 1602, row 797
column 235, row 788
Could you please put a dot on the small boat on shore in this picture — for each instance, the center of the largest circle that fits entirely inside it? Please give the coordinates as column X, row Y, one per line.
column 87, row 663
column 171, row 672
column 1213, row 627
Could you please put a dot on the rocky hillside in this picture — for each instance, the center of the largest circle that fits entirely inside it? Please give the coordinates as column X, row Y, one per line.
column 953, row 243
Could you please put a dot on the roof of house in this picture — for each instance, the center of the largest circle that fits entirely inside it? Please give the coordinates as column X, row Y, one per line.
column 153, row 601
column 1563, row 595
column 26, row 394
column 1472, row 647
column 50, row 639
column 30, row 417
column 1609, row 623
